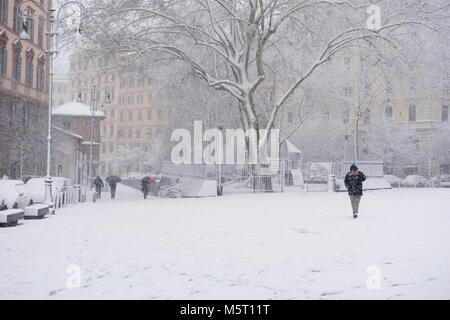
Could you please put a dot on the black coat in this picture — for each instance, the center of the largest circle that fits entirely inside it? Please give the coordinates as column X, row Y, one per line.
column 98, row 182
column 353, row 183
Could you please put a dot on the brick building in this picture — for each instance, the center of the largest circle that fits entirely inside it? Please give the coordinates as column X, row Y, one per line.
column 72, row 141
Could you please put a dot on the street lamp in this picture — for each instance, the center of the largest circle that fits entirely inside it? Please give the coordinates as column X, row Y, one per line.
column 219, row 165
column 95, row 93
column 52, row 30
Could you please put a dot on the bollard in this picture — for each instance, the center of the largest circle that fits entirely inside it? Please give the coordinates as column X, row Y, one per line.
column 331, row 183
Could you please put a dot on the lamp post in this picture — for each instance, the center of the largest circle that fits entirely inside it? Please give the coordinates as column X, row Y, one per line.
column 95, row 93
column 219, row 165
column 52, row 31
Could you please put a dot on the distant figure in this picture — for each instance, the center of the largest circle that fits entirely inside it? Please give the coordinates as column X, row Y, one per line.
column 353, row 183
column 98, row 183
column 113, row 181
column 145, row 183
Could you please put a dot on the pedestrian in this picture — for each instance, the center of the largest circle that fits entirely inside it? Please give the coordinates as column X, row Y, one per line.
column 353, row 182
column 98, row 183
column 112, row 182
column 145, row 184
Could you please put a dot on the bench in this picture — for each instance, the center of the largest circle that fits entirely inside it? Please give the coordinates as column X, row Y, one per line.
column 10, row 217
column 37, row 211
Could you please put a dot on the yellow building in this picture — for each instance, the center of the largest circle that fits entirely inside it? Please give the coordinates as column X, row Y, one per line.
column 24, row 73
column 401, row 100
column 135, row 116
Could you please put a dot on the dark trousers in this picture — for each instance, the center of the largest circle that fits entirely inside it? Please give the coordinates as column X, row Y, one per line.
column 113, row 191
column 99, row 191
column 354, row 200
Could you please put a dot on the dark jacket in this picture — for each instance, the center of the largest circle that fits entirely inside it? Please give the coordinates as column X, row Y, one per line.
column 353, row 183
column 98, row 182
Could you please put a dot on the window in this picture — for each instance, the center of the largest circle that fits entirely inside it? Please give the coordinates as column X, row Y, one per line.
column 41, row 36
column 4, row 11
column 121, row 100
column 130, row 99
column 103, row 148
column 29, row 72
column 122, row 84
column 111, row 147
column 140, row 115
column 348, row 91
column 389, row 113
column 121, row 116
column 412, row 113
column 138, row 132
column 149, row 114
column 444, row 113
column 140, row 98
column 40, row 78
column 30, row 28
column 160, row 115
column 112, row 114
column 346, row 116
column 149, row 97
column 389, row 89
column 130, row 115
column 140, row 82
column 26, row 115
column 17, row 67
column 148, row 132
column 131, row 83
column 111, row 130
column 2, row 110
column 120, row 133
column 3, row 61
column 16, row 114
column 269, row 97
column 290, row 118
column 18, row 22
column 130, row 133
column 367, row 117
column 149, row 81
column 66, row 125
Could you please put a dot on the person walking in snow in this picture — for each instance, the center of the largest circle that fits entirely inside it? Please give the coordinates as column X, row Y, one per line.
column 353, row 182
column 145, row 184
column 98, row 183
column 113, row 181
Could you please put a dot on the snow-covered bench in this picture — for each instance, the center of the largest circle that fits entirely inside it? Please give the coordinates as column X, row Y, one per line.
column 36, row 211
column 10, row 217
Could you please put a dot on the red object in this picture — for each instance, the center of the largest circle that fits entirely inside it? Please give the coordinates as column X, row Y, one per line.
column 152, row 180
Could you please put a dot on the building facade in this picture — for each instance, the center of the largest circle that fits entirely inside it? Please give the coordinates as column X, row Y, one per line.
column 61, row 92
column 24, row 70
column 135, row 114
column 77, row 130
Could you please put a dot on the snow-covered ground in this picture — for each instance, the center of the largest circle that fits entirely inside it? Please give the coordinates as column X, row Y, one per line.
column 239, row 246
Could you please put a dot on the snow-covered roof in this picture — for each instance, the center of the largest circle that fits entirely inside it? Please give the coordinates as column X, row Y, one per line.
column 76, row 109
column 292, row 148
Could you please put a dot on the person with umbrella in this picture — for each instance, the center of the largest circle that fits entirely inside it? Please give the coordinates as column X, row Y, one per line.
column 113, row 181
column 145, row 183
column 98, row 183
